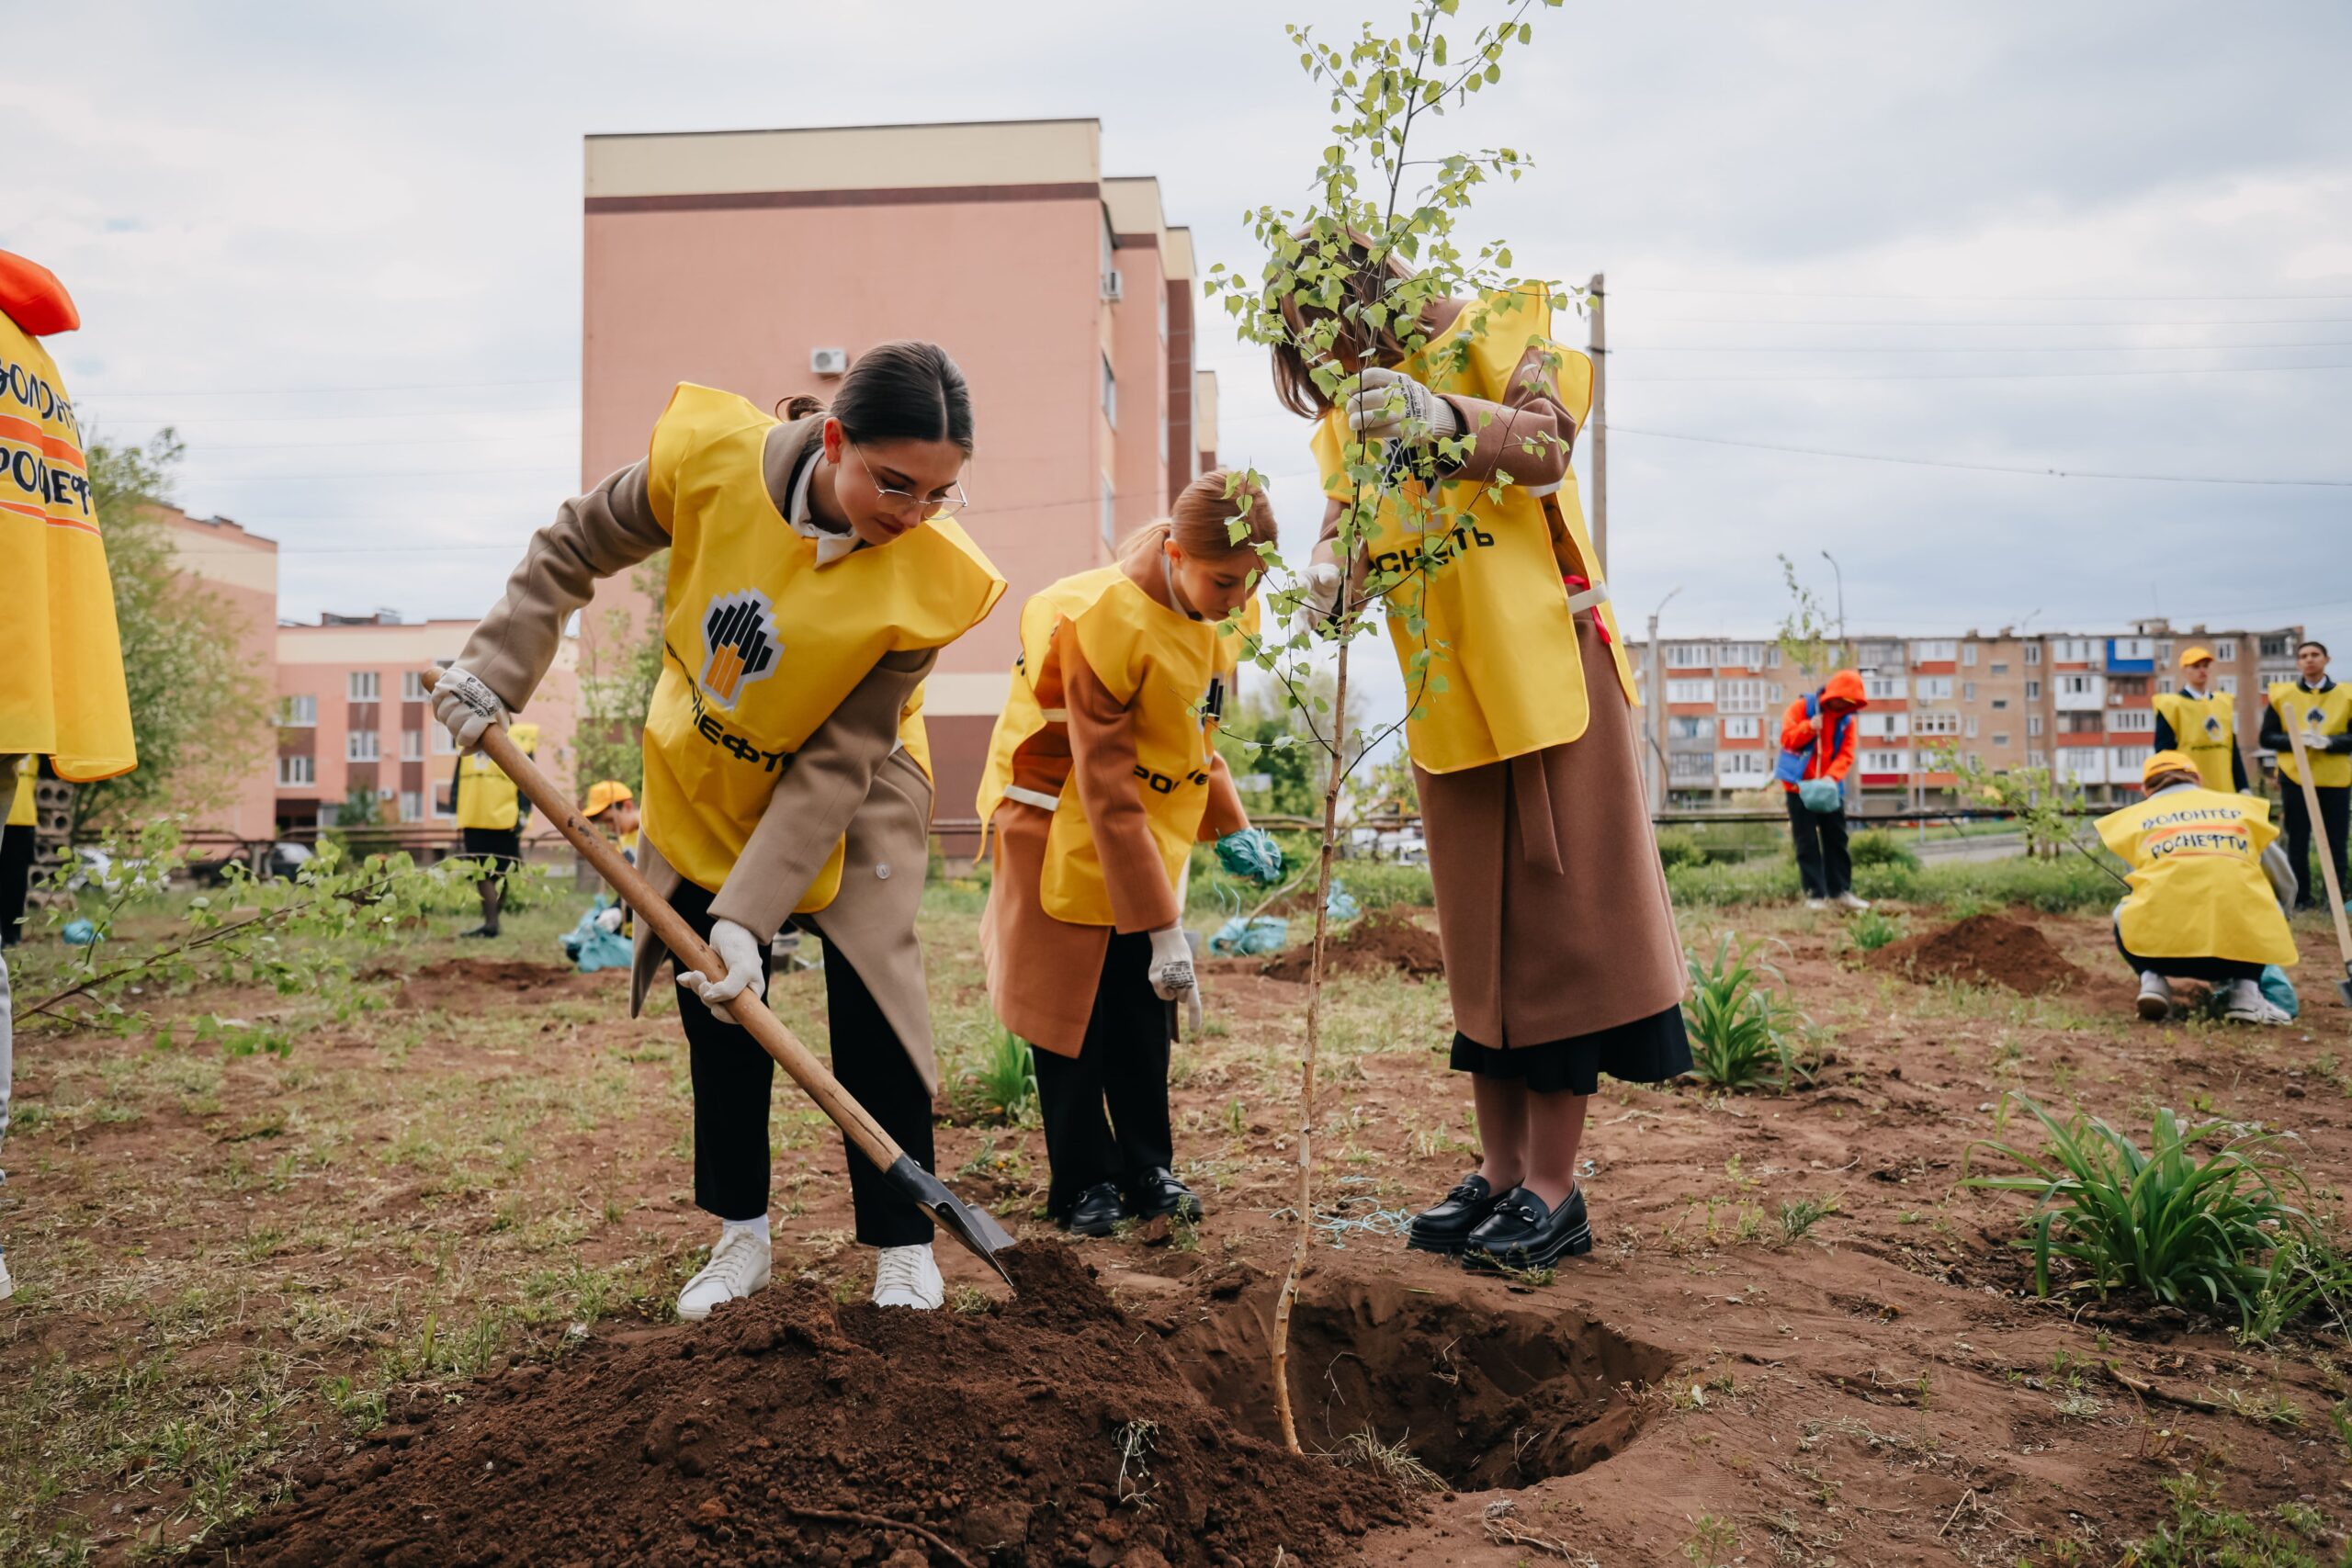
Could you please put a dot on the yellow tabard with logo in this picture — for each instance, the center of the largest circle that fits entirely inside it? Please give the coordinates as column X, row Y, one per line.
column 2197, row 890
column 61, row 688
column 2329, row 713
column 20, row 808
column 760, row 644
column 2206, row 728
column 1503, row 676
column 486, row 796
column 1160, row 664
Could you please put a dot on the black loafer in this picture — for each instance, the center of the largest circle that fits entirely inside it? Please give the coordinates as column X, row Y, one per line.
column 1522, row 1234
column 1097, row 1211
column 1446, row 1226
column 1157, row 1192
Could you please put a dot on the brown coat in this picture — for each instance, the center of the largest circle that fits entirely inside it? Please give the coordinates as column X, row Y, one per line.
column 848, row 779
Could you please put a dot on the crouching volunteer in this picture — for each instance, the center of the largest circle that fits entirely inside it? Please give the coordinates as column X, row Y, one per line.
column 1561, row 955
column 815, row 572
column 1817, row 753
column 491, row 815
column 1101, row 778
column 612, row 806
column 2208, row 883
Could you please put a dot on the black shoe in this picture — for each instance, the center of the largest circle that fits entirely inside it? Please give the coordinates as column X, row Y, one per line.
column 1446, row 1226
column 1097, row 1211
column 1157, row 1192
column 481, row 930
column 1522, row 1234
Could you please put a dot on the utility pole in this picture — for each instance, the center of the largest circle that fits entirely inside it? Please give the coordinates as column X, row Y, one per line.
column 1599, row 424
column 1658, row 707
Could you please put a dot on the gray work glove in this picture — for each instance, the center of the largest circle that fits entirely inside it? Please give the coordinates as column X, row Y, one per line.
column 1388, row 405
column 1171, row 972
column 466, row 706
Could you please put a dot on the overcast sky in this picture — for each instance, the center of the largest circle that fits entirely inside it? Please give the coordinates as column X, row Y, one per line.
column 2101, row 236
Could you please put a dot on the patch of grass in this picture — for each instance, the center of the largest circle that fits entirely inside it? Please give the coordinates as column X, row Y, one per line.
column 1740, row 1035
column 1003, row 1082
column 1873, row 928
column 1393, row 1461
column 2205, row 1534
column 1799, row 1215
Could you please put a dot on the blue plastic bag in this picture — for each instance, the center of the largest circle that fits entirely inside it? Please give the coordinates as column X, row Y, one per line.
column 1239, row 938
column 1252, row 855
column 1342, row 903
column 1824, row 795
column 591, row 947
column 2279, row 991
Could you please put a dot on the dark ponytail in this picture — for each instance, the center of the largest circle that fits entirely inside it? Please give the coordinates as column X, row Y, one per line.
column 898, row 391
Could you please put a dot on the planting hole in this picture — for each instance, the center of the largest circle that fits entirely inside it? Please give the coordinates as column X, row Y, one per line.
column 1483, row 1395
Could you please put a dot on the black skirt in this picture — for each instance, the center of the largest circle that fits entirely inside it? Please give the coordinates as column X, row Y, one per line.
column 1647, row 1050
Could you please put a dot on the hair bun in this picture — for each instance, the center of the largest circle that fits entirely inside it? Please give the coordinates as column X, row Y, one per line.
column 799, row 405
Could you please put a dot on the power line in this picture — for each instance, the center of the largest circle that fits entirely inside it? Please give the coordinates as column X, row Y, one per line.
column 2005, row 375
column 99, row 418
column 2054, row 473
column 82, row 394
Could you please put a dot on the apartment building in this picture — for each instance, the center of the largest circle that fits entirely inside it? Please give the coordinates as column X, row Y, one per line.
column 2083, row 705
column 764, row 262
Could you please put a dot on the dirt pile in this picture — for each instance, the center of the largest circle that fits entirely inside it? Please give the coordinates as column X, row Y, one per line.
column 1983, row 949
column 1383, row 940
column 462, row 981
column 789, row 1430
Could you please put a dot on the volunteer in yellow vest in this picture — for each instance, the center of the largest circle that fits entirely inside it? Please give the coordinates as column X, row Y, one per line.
column 1101, row 777
column 1560, row 948
column 612, row 806
column 17, row 850
column 2207, row 887
column 491, row 815
column 815, row 571
column 2316, row 704
column 2202, row 723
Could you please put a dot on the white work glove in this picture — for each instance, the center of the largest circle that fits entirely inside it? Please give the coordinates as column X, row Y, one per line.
column 609, row 920
column 1389, row 405
column 739, row 950
column 466, row 706
column 1171, row 971
column 2314, row 742
column 1321, row 597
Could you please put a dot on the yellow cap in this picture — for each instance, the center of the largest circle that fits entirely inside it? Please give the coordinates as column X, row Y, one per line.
column 602, row 795
column 2165, row 763
column 2195, row 655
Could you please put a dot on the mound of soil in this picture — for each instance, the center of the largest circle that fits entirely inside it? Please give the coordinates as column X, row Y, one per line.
column 1983, row 949
column 432, row 986
column 1383, row 940
column 789, row 1429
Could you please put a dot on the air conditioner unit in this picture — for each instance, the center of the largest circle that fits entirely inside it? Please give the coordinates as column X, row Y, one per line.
column 1114, row 287
column 829, row 361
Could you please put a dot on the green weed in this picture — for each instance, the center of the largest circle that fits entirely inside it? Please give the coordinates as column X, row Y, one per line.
column 1740, row 1035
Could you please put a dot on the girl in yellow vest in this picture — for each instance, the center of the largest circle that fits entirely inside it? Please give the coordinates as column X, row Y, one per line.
column 2314, row 704
column 815, row 572
column 2206, row 890
column 2202, row 723
column 1101, row 777
column 1560, row 949
column 491, row 815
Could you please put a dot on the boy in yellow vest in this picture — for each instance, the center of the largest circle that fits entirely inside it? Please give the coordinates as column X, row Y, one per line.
column 492, row 814
column 2322, row 711
column 612, row 806
column 2202, row 723
column 2206, row 891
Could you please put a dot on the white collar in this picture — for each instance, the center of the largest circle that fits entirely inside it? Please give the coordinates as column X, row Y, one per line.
column 831, row 547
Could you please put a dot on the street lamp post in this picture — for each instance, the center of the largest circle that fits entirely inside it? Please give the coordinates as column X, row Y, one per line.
column 1657, row 705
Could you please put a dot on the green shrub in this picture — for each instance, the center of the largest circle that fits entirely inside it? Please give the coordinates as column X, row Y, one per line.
column 1740, row 1036
column 1878, row 847
column 1680, row 846
column 1873, row 928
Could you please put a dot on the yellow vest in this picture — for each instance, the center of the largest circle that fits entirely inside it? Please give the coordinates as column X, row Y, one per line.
column 486, row 796
column 2197, row 890
column 1159, row 662
column 1503, row 675
column 2328, row 712
column 759, row 645
column 21, row 810
column 61, row 690
column 2205, row 729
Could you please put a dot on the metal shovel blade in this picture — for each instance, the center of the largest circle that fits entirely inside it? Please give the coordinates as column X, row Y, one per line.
column 976, row 1228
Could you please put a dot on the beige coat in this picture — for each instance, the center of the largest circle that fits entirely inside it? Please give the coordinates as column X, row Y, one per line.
column 849, row 780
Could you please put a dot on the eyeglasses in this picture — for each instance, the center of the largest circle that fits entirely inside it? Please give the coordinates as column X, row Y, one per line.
column 948, row 505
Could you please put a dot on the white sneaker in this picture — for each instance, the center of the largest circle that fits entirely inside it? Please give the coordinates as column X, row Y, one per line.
column 739, row 1265
column 1849, row 900
column 1816, row 903
column 2155, row 997
column 2242, row 1002
column 907, row 1277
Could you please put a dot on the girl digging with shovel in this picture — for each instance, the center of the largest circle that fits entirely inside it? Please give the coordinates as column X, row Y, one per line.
column 815, row 572
column 1101, row 777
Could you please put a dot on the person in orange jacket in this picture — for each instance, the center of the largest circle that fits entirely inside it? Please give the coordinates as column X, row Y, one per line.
column 1817, row 750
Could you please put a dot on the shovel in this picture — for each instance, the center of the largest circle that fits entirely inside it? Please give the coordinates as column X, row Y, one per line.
column 2326, row 860
column 976, row 1228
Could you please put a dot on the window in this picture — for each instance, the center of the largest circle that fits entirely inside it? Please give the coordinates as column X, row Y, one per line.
column 1690, row 656
column 2128, row 686
column 1743, row 764
column 1936, row 724
column 2033, row 690
column 2276, row 648
column 1110, row 394
column 1999, row 703
column 411, row 745
column 1110, row 513
column 1934, row 689
column 2127, row 760
column 2082, row 721
column 2033, row 724
column 2036, row 758
column 413, row 686
column 1941, row 651
column 298, row 712
column 1883, row 688
column 2076, row 685
column 2000, row 738
column 1772, row 656
column 1885, row 762
column 2082, row 762
column 1999, row 667
column 443, row 743
column 2225, row 651
column 2077, row 650
column 1690, row 726
column 1747, row 655
column 2134, row 647
column 2163, row 651
column 2227, row 685
column 1972, row 727
column 1968, row 654
column 1891, row 725
column 1690, row 767
column 1743, row 697
column 2132, row 721
column 362, row 686
column 411, row 806
column 1743, row 729
column 2033, row 653
column 293, row 771
column 359, row 746
column 1690, row 690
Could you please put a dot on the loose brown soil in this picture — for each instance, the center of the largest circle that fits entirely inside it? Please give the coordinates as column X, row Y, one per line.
column 490, row 982
column 1047, row 1430
column 1386, row 941
column 1983, row 949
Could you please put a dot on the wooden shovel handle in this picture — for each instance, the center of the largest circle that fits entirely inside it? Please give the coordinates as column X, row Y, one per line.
column 690, row 951
column 2319, row 838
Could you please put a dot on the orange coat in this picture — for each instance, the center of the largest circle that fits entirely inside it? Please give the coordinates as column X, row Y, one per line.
column 1798, row 732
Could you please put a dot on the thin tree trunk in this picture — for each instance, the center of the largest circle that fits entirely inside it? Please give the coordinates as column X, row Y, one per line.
column 1305, row 1201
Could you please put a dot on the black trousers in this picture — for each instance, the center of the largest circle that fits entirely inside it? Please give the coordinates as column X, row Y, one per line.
column 733, row 1080
column 2332, row 803
column 16, row 879
column 1822, row 860
column 2212, row 971
column 1122, row 1066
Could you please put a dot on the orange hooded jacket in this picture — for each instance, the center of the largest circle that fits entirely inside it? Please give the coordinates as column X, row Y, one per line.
column 1798, row 732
